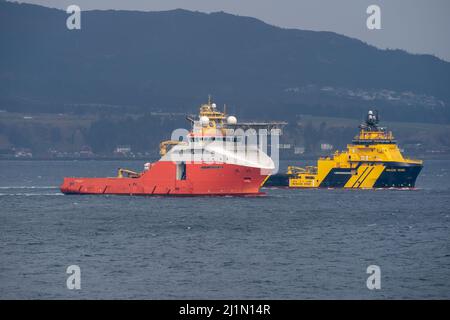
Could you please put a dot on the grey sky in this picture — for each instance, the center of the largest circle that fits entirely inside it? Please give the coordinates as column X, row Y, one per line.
column 418, row 26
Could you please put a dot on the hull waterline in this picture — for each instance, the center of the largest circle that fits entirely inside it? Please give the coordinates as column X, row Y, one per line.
column 162, row 180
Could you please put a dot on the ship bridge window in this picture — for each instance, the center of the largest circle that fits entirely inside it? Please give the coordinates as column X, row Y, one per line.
column 199, row 151
column 209, row 139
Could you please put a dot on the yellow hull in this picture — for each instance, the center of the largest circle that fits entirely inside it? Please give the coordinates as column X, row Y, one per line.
column 373, row 160
column 363, row 176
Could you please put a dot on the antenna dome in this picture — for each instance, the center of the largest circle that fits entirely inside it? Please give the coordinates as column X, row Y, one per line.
column 231, row 120
column 204, row 121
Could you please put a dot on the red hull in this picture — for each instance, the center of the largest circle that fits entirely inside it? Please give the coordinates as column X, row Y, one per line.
column 201, row 179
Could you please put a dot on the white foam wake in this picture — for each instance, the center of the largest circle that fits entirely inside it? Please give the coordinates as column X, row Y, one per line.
column 28, row 187
column 24, row 194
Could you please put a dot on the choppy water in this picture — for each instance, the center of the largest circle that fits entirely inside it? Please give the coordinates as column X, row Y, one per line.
column 290, row 244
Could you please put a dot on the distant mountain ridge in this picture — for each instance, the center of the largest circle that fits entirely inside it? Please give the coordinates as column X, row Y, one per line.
column 172, row 60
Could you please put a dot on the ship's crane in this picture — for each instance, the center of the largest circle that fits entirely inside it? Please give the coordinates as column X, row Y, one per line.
column 296, row 171
column 163, row 146
column 127, row 173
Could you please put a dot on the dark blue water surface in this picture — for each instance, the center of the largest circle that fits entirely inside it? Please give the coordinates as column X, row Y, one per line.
column 289, row 244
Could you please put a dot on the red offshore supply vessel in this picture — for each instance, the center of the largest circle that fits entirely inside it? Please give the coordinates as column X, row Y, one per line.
column 213, row 161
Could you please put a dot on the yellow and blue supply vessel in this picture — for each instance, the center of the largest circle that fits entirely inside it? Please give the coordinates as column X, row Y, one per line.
column 372, row 160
